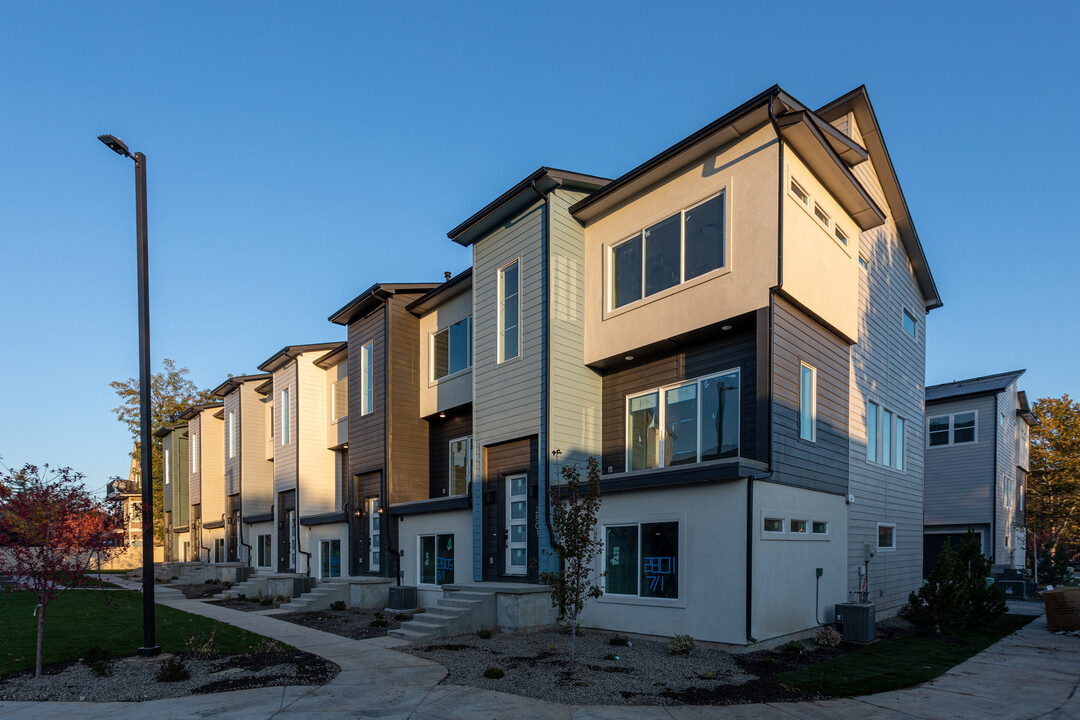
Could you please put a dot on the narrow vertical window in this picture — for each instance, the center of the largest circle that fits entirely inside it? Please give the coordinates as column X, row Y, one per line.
column 909, row 323
column 644, row 445
column 168, row 465
column 285, row 416
column 367, row 380
column 509, row 312
column 626, row 272
column 231, row 430
column 808, row 402
column 460, row 462
column 194, row 452
column 900, row 443
column 703, row 244
column 681, row 425
column 886, row 437
column 663, row 253
column 871, row 432
column 341, row 399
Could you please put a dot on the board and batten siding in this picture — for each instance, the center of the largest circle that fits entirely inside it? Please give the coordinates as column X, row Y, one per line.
column 285, row 455
column 575, row 392
column 316, row 474
column 821, row 464
column 960, row 478
column 256, row 472
column 887, row 367
column 180, row 482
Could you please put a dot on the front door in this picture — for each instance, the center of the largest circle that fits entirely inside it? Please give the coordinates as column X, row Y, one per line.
column 517, row 524
column 287, row 531
column 374, row 535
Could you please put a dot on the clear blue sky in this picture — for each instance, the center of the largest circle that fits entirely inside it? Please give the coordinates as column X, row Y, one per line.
column 300, row 152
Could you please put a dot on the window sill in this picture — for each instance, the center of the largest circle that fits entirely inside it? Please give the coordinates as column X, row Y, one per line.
column 452, row 376
column 674, row 290
column 638, row 600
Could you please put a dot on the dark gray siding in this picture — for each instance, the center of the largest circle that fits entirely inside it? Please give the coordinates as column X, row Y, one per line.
column 232, row 464
column 285, row 462
column 822, row 464
column 442, row 431
column 959, row 487
column 499, row 461
column 367, row 436
column 407, row 440
column 736, row 349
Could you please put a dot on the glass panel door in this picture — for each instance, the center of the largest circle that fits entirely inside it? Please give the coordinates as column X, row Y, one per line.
column 290, row 550
column 374, row 528
column 517, row 544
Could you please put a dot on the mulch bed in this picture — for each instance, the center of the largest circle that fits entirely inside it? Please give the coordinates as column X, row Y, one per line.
column 196, row 591
column 350, row 623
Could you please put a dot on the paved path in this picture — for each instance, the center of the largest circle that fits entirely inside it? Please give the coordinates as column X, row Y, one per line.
column 1031, row 674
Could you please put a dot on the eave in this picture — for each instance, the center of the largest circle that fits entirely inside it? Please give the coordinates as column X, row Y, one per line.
column 236, row 381
column 374, row 297
column 289, row 352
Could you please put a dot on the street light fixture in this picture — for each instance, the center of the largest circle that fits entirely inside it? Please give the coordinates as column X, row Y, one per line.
column 117, row 145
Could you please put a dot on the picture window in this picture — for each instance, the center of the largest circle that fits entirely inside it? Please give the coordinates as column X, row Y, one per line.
column 642, row 560
column 451, row 349
column 954, row 429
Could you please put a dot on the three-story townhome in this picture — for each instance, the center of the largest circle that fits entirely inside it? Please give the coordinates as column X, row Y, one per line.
column 174, row 500
column 206, row 482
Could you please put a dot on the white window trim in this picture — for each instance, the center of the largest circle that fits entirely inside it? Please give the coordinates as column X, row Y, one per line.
column 904, row 315
column 825, row 534
column 285, row 397
column 420, row 556
column 811, row 206
column 372, row 505
column 813, row 402
column 786, row 534
column 231, row 430
column 341, row 545
column 952, row 429
column 367, row 378
column 662, row 416
column 194, row 443
column 773, row 533
column 335, row 412
column 638, row 599
column 500, row 351
column 806, row 527
column 167, row 465
column 877, row 537
column 683, row 284
column 432, row 380
column 864, row 263
column 450, row 466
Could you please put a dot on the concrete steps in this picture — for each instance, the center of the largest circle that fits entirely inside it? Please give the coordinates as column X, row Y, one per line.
column 321, row 598
column 458, row 612
column 250, row 588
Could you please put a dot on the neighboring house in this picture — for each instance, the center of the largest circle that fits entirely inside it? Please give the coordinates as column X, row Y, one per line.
column 387, row 439
column 735, row 329
column 249, row 475
column 174, row 488
column 206, row 482
column 307, row 484
column 978, row 444
column 129, row 494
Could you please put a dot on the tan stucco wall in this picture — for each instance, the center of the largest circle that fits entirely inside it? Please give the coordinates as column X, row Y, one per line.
column 747, row 171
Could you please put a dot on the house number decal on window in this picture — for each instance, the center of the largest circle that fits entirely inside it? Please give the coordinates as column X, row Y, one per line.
column 656, row 569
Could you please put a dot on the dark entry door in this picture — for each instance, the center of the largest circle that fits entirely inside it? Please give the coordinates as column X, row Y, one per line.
column 286, row 531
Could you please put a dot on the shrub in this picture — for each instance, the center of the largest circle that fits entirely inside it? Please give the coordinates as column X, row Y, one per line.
column 828, row 636
column 337, row 605
column 483, row 634
column 682, row 645
column 173, row 670
column 378, row 620
column 242, row 597
column 619, row 640
column 401, row 617
column 98, row 660
column 493, row 673
column 793, row 646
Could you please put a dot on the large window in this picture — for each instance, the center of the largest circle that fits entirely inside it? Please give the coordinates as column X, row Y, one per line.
column 340, row 396
column 690, row 422
column 679, row 248
column 367, row 379
column 807, row 402
column 509, row 312
column 460, row 465
column 329, row 558
column 956, row 429
column 451, row 349
column 885, row 436
column 642, row 560
column 263, row 545
column 436, row 559
column 285, row 429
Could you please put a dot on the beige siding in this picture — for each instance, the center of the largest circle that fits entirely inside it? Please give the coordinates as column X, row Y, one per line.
column 319, row 491
column 337, row 431
column 232, row 464
column 256, row 472
column 453, row 390
column 195, row 449
column 212, row 465
column 285, row 455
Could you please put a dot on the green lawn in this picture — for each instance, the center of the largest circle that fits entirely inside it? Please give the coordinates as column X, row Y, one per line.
column 894, row 664
column 79, row 619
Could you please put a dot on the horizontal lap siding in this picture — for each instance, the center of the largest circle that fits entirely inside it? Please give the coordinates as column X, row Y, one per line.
column 212, row 462
column 442, row 432
column 256, row 472
column 232, row 464
column 736, row 351
column 960, row 478
column 317, row 476
column 367, row 438
column 285, row 462
column 822, row 464
column 168, row 492
column 408, row 433
column 194, row 477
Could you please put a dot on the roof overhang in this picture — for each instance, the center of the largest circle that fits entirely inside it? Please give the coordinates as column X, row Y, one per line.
column 194, row 410
column 519, row 198
column 266, row 388
column 332, row 358
column 374, row 297
column 165, row 430
column 289, row 352
column 236, row 381
column 1025, row 412
column 462, row 282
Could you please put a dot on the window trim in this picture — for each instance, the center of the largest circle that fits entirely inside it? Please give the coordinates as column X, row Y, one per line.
column 500, row 331
column 285, row 396
column 683, row 284
column 329, row 540
column 767, row 531
column 367, row 378
column 638, row 521
column 813, row 207
column 952, row 429
column 166, row 465
column 813, row 402
column 194, row 451
column 230, row 428
column 450, row 466
column 877, row 541
column 270, row 549
column 420, row 556
column 904, row 317
column 432, row 380
column 335, row 412
column 737, row 371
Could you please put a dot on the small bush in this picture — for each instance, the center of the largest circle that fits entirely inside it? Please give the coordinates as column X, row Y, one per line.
column 619, row 640
column 401, row 617
column 337, row 605
column 173, row 670
column 493, row 673
column 682, row 645
column 770, row 662
column 98, row 660
column 483, row 634
column 268, row 645
column 828, row 636
column 793, row 646
column 242, row 597
column 196, row 644
column 379, row 620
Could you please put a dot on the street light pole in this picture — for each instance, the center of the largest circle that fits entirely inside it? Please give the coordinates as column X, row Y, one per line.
column 149, row 646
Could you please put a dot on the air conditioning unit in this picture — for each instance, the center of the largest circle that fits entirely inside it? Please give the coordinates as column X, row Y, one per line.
column 403, row 597
column 857, row 621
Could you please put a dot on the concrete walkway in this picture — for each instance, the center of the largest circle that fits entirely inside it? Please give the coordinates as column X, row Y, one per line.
column 1031, row 674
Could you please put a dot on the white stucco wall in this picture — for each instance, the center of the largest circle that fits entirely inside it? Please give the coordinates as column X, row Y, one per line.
column 451, row 522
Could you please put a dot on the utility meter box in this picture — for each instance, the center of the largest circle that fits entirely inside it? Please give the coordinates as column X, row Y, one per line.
column 857, row 621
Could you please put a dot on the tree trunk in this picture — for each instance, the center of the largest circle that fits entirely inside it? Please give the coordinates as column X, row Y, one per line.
column 40, row 636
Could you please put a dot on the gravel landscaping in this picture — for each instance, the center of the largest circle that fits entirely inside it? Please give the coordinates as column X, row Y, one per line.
column 350, row 622
column 135, row 679
column 196, row 591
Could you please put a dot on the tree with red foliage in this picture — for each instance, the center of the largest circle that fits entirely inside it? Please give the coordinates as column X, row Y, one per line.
column 51, row 530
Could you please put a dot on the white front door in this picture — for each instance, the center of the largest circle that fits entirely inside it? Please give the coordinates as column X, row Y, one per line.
column 517, row 544
column 374, row 535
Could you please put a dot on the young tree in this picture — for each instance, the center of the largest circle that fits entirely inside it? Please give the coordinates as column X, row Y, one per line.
column 573, row 519
column 1053, row 490
column 51, row 530
column 171, row 393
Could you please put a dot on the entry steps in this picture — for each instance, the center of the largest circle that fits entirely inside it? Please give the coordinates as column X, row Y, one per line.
column 456, row 613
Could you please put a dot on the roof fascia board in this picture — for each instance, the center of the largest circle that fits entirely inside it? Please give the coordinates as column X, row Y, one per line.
column 289, row 352
column 450, row 289
column 373, row 297
column 327, row 361
column 235, row 382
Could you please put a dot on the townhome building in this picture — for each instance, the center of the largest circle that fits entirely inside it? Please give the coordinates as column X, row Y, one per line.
column 249, row 475
column 174, row 488
column 978, row 442
column 127, row 493
column 735, row 329
column 307, row 483
column 206, row 482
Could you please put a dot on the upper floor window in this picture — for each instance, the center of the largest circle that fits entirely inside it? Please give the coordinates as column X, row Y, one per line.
column 679, row 248
column 955, row 429
column 167, row 460
column 285, row 417
column 230, row 429
column 451, row 349
column 460, row 465
column 690, row 422
column 270, row 421
column 885, row 436
column 194, row 452
column 808, row 402
column 367, row 380
column 340, row 399
column 909, row 323
column 509, row 312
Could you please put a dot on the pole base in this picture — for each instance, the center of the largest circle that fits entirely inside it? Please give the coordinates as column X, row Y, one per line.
column 150, row 651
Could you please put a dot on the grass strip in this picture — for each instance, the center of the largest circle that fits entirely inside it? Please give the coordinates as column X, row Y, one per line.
column 898, row 663
column 80, row 619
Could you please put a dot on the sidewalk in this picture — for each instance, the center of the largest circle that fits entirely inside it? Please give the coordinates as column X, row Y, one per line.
column 1031, row 674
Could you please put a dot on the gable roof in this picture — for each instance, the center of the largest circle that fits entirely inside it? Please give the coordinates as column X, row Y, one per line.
column 984, row 385
column 194, row 410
